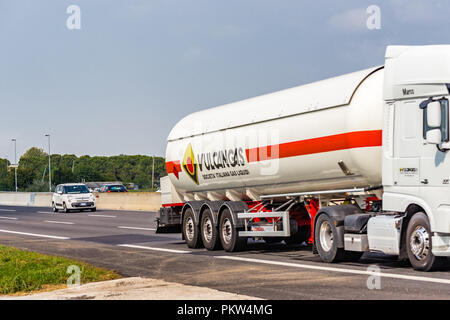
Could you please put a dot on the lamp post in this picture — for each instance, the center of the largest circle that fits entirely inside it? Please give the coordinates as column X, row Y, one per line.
column 15, row 162
column 49, row 166
column 153, row 171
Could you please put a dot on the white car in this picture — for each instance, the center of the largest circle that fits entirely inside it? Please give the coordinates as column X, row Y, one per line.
column 73, row 196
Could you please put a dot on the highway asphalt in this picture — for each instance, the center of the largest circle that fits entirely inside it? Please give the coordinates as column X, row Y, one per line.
column 126, row 241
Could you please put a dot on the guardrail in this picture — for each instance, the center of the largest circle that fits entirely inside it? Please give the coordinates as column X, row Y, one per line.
column 140, row 201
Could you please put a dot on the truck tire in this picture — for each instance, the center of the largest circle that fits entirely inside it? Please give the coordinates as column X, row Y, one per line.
column 191, row 232
column 418, row 243
column 228, row 232
column 54, row 209
column 209, row 232
column 324, row 233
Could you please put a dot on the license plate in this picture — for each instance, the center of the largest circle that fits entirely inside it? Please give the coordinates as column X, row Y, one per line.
column 84, row 204
column 262, row 228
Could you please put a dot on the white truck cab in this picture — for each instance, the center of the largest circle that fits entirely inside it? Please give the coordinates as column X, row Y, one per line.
column 73, row 196
column 416, row 145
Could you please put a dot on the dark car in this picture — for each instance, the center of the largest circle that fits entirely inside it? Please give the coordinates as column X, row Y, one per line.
column 113, row 188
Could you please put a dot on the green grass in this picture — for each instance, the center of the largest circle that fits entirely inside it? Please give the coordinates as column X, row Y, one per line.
column 24, row 271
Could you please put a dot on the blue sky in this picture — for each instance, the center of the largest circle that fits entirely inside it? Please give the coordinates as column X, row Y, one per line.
column 119, row 84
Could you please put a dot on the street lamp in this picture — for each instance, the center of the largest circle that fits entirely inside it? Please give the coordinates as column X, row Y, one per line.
column 49, row 167
column 153, row 171
column 15, row 162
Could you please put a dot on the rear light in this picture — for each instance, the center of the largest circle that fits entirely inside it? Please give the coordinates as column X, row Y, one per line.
column 108, row 191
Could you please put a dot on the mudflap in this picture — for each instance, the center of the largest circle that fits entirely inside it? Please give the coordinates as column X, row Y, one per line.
column 168, row 229
column 169, row 221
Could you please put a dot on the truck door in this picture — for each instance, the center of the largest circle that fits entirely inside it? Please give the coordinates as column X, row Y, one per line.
column 433, row 164
column 408, row 143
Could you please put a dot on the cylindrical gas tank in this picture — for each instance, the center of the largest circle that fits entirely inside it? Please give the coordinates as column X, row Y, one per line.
column 321, row 136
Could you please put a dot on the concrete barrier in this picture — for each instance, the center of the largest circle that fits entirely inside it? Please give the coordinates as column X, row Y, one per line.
column 140, row 201
column 38, row 199
column 146, row 201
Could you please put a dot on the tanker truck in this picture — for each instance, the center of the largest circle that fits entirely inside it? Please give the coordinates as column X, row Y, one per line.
column 352, row 164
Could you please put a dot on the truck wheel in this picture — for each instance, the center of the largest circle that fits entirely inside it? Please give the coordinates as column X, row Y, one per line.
column 418, row 243
column 191, row 232
column 209, row 232
column 324, row 238
column 54, row 209
column 229, row 238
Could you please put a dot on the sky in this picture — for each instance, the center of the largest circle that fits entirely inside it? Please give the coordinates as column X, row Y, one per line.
column 119, row 83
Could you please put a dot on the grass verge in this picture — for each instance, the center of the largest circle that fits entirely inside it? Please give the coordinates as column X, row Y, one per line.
column 24, row 271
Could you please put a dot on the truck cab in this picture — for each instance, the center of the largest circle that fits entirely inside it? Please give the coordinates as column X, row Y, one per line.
column 416, row 158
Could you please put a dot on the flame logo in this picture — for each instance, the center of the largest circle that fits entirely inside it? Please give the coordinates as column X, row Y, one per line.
column 189, row 164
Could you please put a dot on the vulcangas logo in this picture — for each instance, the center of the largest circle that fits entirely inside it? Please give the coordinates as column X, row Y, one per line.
column 190, row 165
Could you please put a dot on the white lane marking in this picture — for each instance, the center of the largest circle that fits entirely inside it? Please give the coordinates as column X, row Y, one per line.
column 8, row 210
column 35, row 234
column 136, row 228
column 9, row 218
column 101, row 215
column 47, row 212
column 342, row 270
column 153, row 248
column 61, row 222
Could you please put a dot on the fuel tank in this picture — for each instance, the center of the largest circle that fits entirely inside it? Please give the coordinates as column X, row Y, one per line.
column 320, row 136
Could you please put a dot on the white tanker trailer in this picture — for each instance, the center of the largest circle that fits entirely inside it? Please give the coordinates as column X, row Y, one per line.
column 351, row 164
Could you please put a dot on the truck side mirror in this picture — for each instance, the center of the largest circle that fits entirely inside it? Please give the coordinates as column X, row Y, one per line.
column 434, row 114
column 433, row 135
column 435, row 120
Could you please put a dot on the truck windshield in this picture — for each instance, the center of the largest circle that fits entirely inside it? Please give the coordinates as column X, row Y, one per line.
column 76, row 189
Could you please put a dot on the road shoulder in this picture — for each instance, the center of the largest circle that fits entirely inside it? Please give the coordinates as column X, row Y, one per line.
column 134, row 288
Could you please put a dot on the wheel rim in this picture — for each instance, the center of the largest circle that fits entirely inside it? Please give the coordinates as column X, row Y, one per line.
column 227, row 230
column 420, row 243
column 189, row 229
column 326, row 236
column 207, row 229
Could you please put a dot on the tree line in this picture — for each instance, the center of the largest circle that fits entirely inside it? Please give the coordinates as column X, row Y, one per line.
column 32, row 170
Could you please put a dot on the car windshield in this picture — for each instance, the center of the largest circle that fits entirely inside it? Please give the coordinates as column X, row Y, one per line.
column 116, row 188
column 76, row 189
